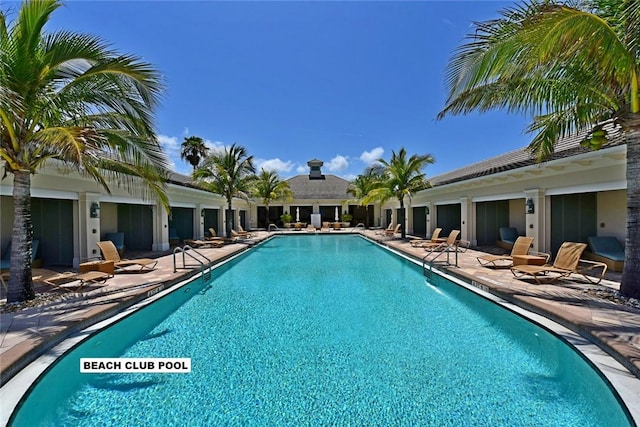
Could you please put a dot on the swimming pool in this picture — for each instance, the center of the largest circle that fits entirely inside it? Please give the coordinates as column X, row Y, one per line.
column 326, row 330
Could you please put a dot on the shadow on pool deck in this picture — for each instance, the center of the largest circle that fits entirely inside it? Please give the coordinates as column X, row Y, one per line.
column 29, row 332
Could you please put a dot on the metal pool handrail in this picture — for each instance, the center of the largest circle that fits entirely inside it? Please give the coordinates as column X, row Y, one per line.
column 205, row 269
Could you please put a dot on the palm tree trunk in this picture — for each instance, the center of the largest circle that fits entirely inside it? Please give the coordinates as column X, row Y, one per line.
column 403, row 232
column 229, row 218
column 20, row 282
column 630, row 285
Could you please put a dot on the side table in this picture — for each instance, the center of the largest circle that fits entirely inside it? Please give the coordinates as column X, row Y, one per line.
column 528, row 260
column 103, row 266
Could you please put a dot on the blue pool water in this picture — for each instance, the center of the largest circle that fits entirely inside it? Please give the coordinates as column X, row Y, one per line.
column 326, row 330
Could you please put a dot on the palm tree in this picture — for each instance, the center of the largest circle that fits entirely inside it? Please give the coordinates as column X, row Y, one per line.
column 193, row 149
column 69, row 97
column 573, row 69
column 402, row 177
column 229, row 173
column 360, row 187
column 268, row 187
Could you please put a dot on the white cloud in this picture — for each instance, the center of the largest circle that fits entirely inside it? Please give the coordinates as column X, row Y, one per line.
column 215, row 147
column 171, row 148
column 302, row 169
column 349, row 177
column 338, row 163
column 275, row 165
column 371, row 157
column 185, row 132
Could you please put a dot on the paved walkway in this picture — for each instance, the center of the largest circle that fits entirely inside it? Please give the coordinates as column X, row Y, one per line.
column 28, row 332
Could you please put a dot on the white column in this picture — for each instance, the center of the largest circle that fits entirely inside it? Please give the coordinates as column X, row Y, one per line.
column 536, row 221
column 88, row 227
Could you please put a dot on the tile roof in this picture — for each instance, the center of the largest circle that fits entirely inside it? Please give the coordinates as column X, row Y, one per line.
column 331, row 187
column 566, row 147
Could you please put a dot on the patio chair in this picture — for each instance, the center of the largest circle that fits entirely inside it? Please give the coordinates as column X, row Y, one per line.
column 118, row 241
column 110, row 253
column 238, row 236
column 383, row 232
column 61, row 280
column 196, row 243
column 393, row 232
column 246, row 233
column 508, row 236
column 446, row 245
column 214, row 235
column 606, row 249
column 5, row 262
column 435, row 238
column 566, row 263
column 520, row 247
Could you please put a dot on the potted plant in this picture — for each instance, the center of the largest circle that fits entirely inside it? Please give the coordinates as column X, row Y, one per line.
column 346, row 218
column 286, row 218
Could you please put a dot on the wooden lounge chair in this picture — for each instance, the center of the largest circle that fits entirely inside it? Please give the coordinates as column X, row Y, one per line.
column 62, row 280
column 242, row 231
column 194, row 243
column 110, row 253
column 382, row 232
column 435, row 238
column 238, row 236
column 566, row 263
column 393, row 232
column 448, row 244
column 214, row 235
column 520, row 247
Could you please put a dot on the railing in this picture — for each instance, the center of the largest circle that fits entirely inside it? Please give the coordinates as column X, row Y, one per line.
column 273, row 227
column 458, row 246
column 205, row 268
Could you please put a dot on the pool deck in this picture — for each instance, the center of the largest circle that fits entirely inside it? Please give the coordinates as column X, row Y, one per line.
column 27, row 333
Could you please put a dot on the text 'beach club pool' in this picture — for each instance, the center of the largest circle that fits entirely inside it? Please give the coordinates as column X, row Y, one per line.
column 326, row 330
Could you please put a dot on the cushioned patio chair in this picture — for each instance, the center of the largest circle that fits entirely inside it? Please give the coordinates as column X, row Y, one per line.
column 520, row 247
column 389, row 228
column 606, row 249
column 567, row 262
column 435, row 238
column 110, row 253
column 508, row 236
column 5, row 262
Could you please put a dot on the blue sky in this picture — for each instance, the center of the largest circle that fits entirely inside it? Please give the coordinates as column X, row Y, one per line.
column 343, row 82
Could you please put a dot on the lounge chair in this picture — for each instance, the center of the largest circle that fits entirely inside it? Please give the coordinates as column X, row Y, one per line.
column 57, row 281
column 508, row 236
column 238, row 236
column 245, row 233
column 393, row 232
column 566, row 263
column 383, row 232
column 118, row 241
column 435, row 238
column 520, row 247
column 110, row 253
column 606, row 249
column 310, row 228
column 446, row 245
column 214, row 235
column 195, row 243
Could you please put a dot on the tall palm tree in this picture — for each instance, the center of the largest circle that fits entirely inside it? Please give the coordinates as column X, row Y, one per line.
column 402, row 177
column 71, row 98
column 193, row 150
column 229, row 173
column 269, row 187
column 360, row 187
column 573, row 69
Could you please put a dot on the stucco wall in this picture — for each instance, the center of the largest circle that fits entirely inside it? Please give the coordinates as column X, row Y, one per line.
column 612, row 213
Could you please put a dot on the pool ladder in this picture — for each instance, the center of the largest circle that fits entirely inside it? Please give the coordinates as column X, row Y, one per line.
column 459, row 246
column 205, row 267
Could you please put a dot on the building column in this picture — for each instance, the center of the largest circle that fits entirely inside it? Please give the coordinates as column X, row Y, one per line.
column 536, row 221
column 430, row 213
column 88, row 227
column 466, row 219
column 160, row 228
